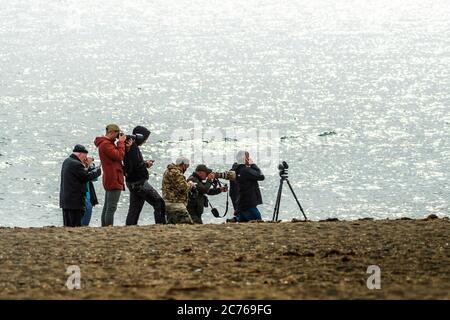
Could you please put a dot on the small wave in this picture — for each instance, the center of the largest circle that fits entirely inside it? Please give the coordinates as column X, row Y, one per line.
column 327, row 133
column 289, row 137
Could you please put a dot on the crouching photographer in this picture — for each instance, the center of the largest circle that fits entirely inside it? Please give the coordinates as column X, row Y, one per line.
column 136, row 171
column 204, row 178
column 175, row 189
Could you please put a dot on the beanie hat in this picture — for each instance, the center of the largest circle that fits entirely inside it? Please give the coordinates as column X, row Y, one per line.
column 79, row 149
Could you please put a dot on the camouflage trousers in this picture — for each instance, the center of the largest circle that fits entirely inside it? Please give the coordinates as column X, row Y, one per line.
column 177, row 213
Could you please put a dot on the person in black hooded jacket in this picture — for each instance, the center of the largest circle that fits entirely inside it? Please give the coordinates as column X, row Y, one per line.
column 136, row 173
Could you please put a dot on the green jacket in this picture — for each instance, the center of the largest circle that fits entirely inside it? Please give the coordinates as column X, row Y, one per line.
column 196, row 206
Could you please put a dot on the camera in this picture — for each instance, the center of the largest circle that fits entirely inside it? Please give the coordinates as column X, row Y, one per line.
column 283, row 168
column 135, row 137
column 217, row 184
column 227, row 175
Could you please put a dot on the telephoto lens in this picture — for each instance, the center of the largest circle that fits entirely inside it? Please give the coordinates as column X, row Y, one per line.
column 227, row 175
column 136, row 136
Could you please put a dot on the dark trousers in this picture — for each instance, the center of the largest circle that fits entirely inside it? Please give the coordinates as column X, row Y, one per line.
column 72, row 218
column 196, row 218
column 196, row 215
column 139, row 194
column 109, row 209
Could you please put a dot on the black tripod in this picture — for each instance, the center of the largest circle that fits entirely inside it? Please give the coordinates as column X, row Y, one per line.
column 284, row 177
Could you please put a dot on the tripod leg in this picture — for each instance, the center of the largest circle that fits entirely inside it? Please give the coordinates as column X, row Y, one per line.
column 276, row 205
column 279, row 199
column 295, row 196
column 277, row 202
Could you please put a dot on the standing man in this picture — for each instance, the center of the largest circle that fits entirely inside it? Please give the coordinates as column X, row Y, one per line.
column 175, row 191
column 198, row 201
column 111, row 155
column 74, row 176
column 247, row 195
column 136, row 172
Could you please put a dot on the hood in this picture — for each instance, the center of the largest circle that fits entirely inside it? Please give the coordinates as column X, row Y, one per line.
column 141, row 130
column 100, row 140
column 240, row 157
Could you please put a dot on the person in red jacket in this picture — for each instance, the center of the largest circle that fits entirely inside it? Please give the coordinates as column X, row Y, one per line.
column 111, row 155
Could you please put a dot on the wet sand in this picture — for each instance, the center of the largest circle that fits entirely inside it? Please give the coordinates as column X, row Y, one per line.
column 289, row 260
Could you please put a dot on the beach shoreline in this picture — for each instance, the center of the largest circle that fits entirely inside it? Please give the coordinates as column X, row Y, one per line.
column 287, row 260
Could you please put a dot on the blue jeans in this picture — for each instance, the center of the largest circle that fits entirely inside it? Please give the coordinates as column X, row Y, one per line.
column 87, row 214
column 249, row 215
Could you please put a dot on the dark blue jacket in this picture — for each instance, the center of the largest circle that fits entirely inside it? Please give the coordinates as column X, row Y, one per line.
column 246, row 193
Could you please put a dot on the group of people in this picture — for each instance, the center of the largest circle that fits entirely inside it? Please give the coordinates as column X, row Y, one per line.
column 182, row 201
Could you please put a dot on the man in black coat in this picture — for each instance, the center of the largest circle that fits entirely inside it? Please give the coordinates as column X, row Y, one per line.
column 203, row 177
column 246, row 195
column 136, row 173
column 74, row 176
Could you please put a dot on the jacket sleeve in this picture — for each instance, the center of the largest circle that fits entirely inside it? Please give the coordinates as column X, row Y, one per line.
column 203, row 188
column 181, row 183
column 84, row 176
column 254, row 173
column 233, row 194
column 140, row 163
column 133, row 162
column 92, row 169
column 113, row 152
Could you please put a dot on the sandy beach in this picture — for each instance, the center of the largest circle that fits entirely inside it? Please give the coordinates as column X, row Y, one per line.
column 288, row 260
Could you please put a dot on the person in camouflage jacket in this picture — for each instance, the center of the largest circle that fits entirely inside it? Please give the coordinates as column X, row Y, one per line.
column 175, row 191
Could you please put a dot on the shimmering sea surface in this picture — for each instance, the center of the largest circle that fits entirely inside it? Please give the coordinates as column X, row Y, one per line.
column 359, row 92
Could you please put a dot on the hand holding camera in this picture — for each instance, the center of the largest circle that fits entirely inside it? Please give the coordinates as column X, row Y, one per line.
column 211, row 176
column 128, row 143
column 192, row 185
column 90, row 161
column 122, row 137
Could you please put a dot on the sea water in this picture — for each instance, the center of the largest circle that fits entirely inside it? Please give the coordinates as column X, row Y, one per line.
column 353, row 94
